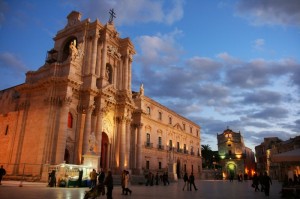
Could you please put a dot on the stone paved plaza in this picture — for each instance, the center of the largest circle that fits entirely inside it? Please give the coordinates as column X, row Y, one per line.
column 206, row 189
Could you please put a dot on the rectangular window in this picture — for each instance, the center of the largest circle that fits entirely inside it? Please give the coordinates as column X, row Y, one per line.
column 159, row 165
column 170, row 145
column 191, row 129
column 147, row 164
column 148, row 137
column 178, row 146
column 159, row 141
column 170, row 120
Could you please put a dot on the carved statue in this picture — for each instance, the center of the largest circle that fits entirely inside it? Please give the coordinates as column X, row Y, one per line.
column 92, row 142
column 141, row 90
column 73, row 50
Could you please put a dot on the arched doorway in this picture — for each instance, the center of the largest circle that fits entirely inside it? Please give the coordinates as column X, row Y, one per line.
column 104, row 151
column 231, row 170
column 178, row 169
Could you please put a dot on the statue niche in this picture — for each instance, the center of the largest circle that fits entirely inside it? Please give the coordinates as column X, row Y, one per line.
column 70, row 49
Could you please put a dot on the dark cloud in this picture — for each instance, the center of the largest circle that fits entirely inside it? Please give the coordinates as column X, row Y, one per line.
column 262, row 97
column 271, row 113
column 248, row 75
column 270, row 12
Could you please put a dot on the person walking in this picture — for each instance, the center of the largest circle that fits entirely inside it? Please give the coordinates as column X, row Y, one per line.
column 2, row 173
column 123, row 181
column 126, row 183
column 109, row 185
column 93, row 177
column 267, row 182
column 156, row 179
column 186, row 181
column 255, row 182
column 101, row 178
column 192, row 182
column 260, row 179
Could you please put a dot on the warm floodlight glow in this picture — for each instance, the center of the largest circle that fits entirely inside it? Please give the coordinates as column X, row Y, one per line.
column 238, row 155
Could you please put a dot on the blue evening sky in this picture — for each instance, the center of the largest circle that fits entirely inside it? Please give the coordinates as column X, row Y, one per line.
column 219, row 63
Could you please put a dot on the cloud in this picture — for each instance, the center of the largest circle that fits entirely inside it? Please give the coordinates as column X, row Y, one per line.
column 271, row 113
column 132, row 11
column 259, row 44
column 262, row 97
column 270, row 12
column 3, row 11
column 159, row 49
column 9, row 61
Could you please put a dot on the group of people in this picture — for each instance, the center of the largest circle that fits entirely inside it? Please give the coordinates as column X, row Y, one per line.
column 99, row 181
column 264, row 181
column 189, row 182
column 152, row 179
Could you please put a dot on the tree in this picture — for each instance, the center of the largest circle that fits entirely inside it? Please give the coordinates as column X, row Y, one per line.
column 207, row 155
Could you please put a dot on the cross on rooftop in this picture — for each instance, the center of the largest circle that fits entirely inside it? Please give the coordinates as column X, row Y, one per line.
column 112, row 15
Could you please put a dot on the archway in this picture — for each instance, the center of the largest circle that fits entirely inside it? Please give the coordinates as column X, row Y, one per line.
column 104, row 151
column 178, row 169
column 231, row 169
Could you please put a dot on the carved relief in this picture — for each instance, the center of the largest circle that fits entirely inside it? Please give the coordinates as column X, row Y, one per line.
column 111, row 50
column 107, row 127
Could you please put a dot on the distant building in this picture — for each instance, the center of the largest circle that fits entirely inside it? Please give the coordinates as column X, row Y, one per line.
column 262, row 153
column 78, row 108
column 281, row 159
column 235, row 157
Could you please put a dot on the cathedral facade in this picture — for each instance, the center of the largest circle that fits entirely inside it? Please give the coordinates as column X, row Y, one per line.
column 80, row 103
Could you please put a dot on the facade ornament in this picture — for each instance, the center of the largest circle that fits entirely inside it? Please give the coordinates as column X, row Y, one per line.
column 142, row 90
column 73, row 52
column 111, row 50
column 92, row 142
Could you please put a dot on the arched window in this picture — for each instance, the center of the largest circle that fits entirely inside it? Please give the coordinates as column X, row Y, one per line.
column 70, row 120
column 148, row 110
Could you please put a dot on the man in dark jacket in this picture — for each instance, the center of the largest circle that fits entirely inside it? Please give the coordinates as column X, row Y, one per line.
column 109, row 184
column 267, row 182
column 192, row 182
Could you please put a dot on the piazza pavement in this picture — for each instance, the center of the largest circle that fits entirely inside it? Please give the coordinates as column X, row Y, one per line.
column 209, row 189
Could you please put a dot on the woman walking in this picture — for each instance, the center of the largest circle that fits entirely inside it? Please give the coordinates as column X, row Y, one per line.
column 126, row 183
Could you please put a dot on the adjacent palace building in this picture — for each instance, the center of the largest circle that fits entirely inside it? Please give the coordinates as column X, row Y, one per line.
column 79, row 109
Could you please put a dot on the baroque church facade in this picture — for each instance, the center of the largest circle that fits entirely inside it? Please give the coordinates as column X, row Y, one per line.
column 80, row 104
column 235, row 158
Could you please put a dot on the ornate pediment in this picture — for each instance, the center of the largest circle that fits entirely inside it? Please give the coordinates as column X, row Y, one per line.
column 178, row 127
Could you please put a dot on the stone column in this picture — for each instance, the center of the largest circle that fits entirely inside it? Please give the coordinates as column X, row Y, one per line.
column 103, row 63
column 123, row 143
column 62, row 131
column 127, row 157
column 99, row 131
column 133, row 144
column 129, row 73
column 87, row 69
column 125, row 75
column 99, row 59
column 139, row 149
column 87, row 129
column 94, row 54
